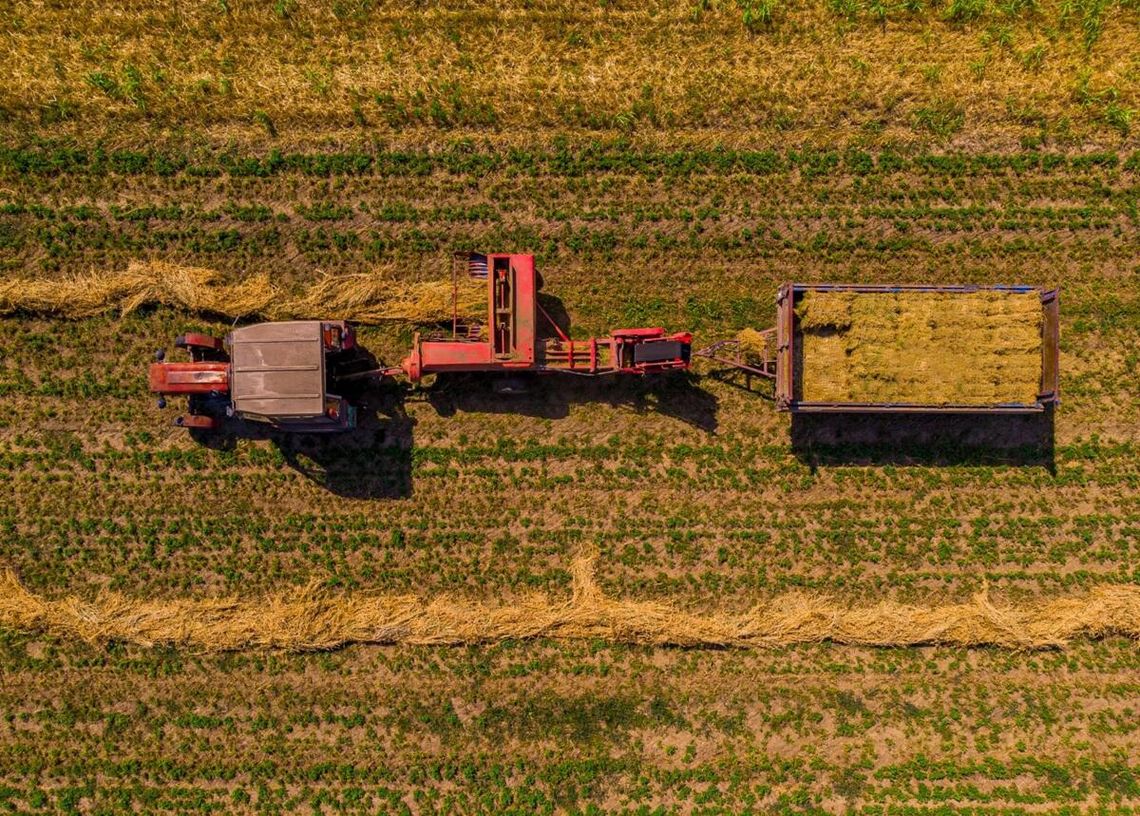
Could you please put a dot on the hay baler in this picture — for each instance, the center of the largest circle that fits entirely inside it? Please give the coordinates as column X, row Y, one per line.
column 512, row 340
column 290, row 374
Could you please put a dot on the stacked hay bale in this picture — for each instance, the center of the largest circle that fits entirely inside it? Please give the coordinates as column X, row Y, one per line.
column 931, row 348
column 826, row 321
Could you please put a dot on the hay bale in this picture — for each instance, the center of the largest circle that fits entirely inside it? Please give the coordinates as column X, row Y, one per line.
column 755, row 345
column 826, row 368
column 932, row 348
column 832, row 312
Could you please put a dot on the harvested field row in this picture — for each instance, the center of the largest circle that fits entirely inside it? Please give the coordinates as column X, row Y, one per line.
column 810, row 72
column 363, row 298
column 976, row 348
column 309, row 619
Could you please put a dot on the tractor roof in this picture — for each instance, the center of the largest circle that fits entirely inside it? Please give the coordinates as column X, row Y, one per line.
column 278, row 369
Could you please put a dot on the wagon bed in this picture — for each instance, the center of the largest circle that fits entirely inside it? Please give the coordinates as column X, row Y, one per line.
column 964, row 349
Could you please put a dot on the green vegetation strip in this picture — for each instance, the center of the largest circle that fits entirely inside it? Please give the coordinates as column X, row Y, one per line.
column 562, row 157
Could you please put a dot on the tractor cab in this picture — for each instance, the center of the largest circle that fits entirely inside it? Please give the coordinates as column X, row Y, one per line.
column 281, row 374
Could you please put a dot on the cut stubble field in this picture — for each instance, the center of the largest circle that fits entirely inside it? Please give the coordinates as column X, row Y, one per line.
column 698, row 498
column 735, row 146
column 989, row 75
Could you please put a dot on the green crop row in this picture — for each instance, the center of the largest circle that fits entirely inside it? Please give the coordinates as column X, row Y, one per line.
column 563, row 159
column 63, row 244
column 973, row 216
column 469, row 730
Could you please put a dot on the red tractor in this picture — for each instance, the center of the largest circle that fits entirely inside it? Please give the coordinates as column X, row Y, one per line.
column 284, row 374
column 290, row 374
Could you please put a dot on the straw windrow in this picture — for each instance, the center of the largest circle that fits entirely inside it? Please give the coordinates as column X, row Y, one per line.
column 309, row 619
column 364, row 298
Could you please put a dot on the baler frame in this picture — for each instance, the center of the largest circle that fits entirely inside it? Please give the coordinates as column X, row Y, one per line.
column 737, row 355
column 509, row 342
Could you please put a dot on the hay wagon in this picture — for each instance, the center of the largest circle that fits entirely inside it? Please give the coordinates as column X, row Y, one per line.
column 905, row 349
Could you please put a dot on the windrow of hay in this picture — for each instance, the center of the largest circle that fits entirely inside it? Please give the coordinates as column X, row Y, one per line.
column 310, row 619
column 363, row 298
column 934, row 348
column 379, row 299
column 156, row 282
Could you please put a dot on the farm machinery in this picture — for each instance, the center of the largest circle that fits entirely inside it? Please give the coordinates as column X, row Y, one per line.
column 284, row 374
column 293, row 375
column 876, row 348
column 904, row 349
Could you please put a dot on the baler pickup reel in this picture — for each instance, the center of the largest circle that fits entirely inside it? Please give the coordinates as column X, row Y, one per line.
column 751, row 352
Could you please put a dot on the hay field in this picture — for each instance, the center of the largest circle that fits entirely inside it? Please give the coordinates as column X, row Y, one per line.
column 932, row 348
column 703, row 504
column 166, row 168
column 980, row 74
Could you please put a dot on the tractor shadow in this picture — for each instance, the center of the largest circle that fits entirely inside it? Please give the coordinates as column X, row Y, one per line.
column 372, row 461
column 1023, row 440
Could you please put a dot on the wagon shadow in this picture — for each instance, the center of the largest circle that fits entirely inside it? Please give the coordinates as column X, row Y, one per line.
column 1023, row 440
